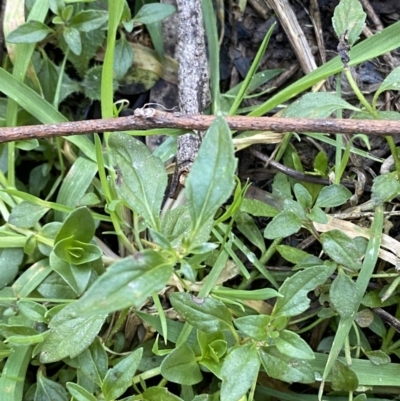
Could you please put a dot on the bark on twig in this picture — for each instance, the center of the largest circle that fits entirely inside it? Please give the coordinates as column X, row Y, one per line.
column 151, row 118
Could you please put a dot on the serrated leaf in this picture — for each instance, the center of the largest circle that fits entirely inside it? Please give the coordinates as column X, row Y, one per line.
column 155, row 12
column 69, row 335
column 282, row 367
column 241, row 362
column 291, row 344
column 349, row 17
column 206, row 314
column 126, row 283
column 180, row 366
column 295, row 289
column 343, row 377
column 211, row 179
column 344, row 295
column 143, row 178
column 333, row 195
column 317, row 105
column 384, row 188
column 30, row 32
column 284, row 224
column 119, row 378
column 26, row 214
column 343, row 249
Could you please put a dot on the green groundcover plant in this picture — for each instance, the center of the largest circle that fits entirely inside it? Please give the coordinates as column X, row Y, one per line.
column 159, row 319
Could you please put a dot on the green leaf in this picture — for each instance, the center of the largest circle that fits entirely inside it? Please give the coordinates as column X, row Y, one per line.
column 377, row 357
column 123, row 58
column 284, row 224
column 211, row 179
column 242, row 362
column 79, row 393
column 291, row 254
column 303, row 196
column 79, row 225
column 261, row 294
column 206, row 314
column 119, row 378
column 349, row 17
column 159, row 393
column 254, row 326
column 293, row 345
column 89, row 20
column 30, row 32
column 343, row 294
column 180, row 366
column 343, row 377
column 281, row 186
column 247, row 226
column 295, row 289
column 73, row 39
column 391, row 82
column 143, row 178
column 76, row 252
column 126, row 283
column 93, row 362
column 32, row 310
column 26, row 214
column 318, row 215
column 317, row 105
column 343, row 249
column 333, row 195
column 282, row 367
column 321, row 163
column 48, row 390
column 69, row 335
column 10, row 260
column 384, row 188
column 258, row 208
column 155, row 12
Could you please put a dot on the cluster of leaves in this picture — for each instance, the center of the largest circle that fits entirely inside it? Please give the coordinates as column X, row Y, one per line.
column 66, row 297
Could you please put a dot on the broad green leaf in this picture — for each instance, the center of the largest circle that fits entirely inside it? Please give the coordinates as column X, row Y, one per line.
column 343, row 294
column 318, row 215
column 126, row 283
column 10, row 260
column 206, row 314
column 292, row 254
column 378, row 357
column 154, row 12
column 333, row 195
column 317, row 105
column 303, row 196
column 89, row 20
column 26, row 214
column 32, row 310
column 349, row 18
column 79, row 393
column 76, row 252
column 69, row 335
column 343, row 249
column 30, row 32
column 73, row 40
column 180, row 366
column 295, row 289
column 48, row 390
column 258, row 208
column 291, row 344
column 79, row 225
column 343, row 377
column 282, row 367
column 158, row 394
column 247, row 226
column 211, row 179
column 142, row 177
column 75, row 184
column 93, row 362
column 391, row 82
column 254, row 326
column 123, row 58
column 321, row 163
column 239, row 371
column 281, row 186
column 384, row 188
column 119, row 378
column 284, row 224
